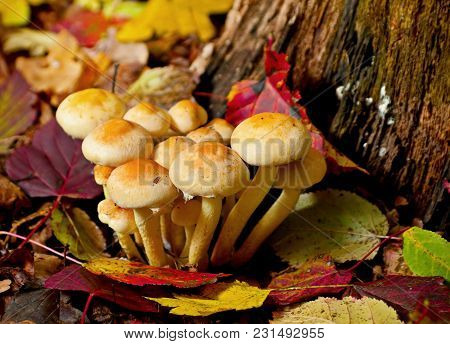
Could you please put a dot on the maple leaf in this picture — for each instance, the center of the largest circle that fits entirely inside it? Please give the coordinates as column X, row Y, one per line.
column 249, row 97
column 16, row 109
column 175, row 16
column 139, row 274
column 311, row 279
column 52, row 165
column 76, row 278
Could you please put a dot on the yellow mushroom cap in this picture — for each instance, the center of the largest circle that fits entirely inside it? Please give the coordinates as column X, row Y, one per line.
column 209, row 169
column 119, row 219
column 167, row 151
column 204, row 134
column 101, row 174
column 187, row 116
column 186, row 213
column 271, row 139
column 302, row 174
column 224, row 128
column 84, row 110
column 141, row 183
column 154, row 119
column 117, row 141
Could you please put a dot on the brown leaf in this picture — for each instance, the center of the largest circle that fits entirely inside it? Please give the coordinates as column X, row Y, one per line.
column 11, row 196
column 5, row 285
column 45, row 265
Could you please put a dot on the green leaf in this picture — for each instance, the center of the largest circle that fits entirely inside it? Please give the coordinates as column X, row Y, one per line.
column 337, row 223
column 74, row 228
column 14, row 12
column 426, row 253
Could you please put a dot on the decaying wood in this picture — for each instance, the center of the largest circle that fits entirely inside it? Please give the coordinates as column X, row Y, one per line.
column 374, row 75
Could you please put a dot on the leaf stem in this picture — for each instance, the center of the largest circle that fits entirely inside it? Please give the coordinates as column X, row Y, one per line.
column 86, row 307
column 41, row 222
column 210, row 95
column 73, row 260
column 114, row 79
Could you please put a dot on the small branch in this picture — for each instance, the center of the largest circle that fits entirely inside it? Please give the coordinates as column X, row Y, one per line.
column 114, row 79
column 86, row 307
column 210, row 95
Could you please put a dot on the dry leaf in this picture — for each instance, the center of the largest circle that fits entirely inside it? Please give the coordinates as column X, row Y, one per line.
column 5, row 285
column 10, row 193
column 37, row 43
column 45, row 266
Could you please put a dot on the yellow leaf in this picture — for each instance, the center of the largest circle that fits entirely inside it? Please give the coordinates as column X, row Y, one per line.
column 328, row 310
column 14, row 12
column 175, row 16
column 216, row 298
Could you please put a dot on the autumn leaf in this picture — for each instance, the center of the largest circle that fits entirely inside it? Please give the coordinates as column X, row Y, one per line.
column 76, row 278
column 409, row 293
column 10, row 194
column 175, row 16
column 426, row 253
column 74, row 228
column 330, row 222
column 52, row 165
column 14, row 12
column 216, row 298
column 139, row 274
column 314, row 278
column 332, row 311
column 5, row 285
column 16, row 109
column 36, row 42
column 394, row 262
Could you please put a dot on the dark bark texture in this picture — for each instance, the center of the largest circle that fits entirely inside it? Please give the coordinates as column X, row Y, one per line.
column 374, row 76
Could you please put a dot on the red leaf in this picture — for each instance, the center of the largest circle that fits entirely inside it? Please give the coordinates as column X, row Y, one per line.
column 52, row 165
column 408, row 293
column 318, row 277
column 77, row 278
column 140, row 274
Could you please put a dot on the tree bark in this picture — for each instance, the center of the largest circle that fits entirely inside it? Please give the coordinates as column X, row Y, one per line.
column 374, row 76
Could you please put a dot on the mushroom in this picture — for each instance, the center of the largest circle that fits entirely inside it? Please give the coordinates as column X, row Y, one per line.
column 224, row 128
column 122, row 222
column 145, row 187
column 292, row 179
column 187, row 116
column 204, row 134
column 153, row 118
column 84, row 110
column 167, row 151
column 101, row 175
column 266, row 140
column 212, row 171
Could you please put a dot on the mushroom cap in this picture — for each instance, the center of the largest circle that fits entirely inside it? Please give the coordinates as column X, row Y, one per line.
column 167, row 151
column 187, row 116
column 224, row 128
column 119, row 219
column 204, row 134
column 82, row 111
column 117, row 141
column 271, row 139
column 209, row 169
column 141, row 183
column 102, row 173
column 186, row 213
column 153, row 118
column 302, row 174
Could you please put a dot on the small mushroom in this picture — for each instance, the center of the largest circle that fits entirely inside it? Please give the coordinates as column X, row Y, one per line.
column 212, row 171
column 101, row 175
column 292, row 179
column 122, row 222
column 187, row 116
column 84, row 110
column 204, row 134
column 143, row 185
column 266, row 140
column 153, row 118
column 166, row 151
column 224, row 128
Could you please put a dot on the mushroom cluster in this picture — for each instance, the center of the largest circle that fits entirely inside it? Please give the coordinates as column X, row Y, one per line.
column 178, row 189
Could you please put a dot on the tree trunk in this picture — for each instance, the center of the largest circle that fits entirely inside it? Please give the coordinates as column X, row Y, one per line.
column 374, row 76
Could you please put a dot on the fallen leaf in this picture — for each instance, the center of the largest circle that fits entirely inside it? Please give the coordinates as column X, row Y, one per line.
column 73, row 228
column 394, row 262
column 36, row 42
column 174, row 16
column 408, row 293
column 5, row 285
column 140, row 274
column 45, row 265
column 52, row 165
column 426, row 253
column 314, row 278
column 14, row 12
column 76, row 278
column 10, row 194
column 16, row 109
column 332, row 222
column 349, row 310
column 216, row 298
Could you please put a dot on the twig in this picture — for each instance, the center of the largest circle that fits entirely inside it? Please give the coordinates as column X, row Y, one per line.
column 86, row 307
column 114, row 80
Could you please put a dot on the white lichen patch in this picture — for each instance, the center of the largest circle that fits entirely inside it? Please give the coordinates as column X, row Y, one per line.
column 368, row 101
column 341, row 90
column 390, row 121
column 382, row 152
column 383, row 103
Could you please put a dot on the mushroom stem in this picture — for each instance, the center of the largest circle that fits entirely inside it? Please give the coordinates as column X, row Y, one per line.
column 105, row 192
column 165, row 231
column 178, row 238
column 266, row 225
column 204, row 230
column 189, row 232
column 252, row 196
column 230, row 201
column 137, row 237
column 149, row 227
column 129, row 247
